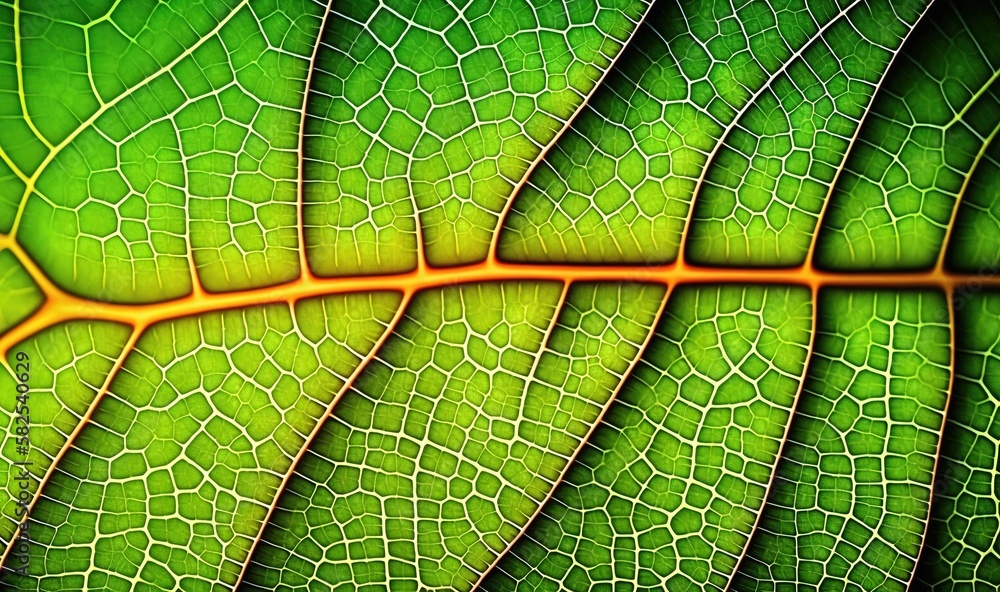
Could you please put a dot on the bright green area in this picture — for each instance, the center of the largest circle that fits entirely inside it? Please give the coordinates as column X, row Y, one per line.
column 67, row 365
column 18, row 142
column 850, row 500
column 173, row 135
column 765, row 187
column 147, row 145
column 666, row 492
column 975, row 237
column 21, row 296
column 167, row 485
column 428, row 107
column 11, row 190
column 894, row 201
column 962, row 551
column 453, row 437
column 617, row 187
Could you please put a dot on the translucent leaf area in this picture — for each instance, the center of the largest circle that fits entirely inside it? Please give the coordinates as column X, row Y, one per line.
column 499, row 295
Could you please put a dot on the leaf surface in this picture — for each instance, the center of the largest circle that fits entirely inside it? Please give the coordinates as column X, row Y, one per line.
column 851, row 496
column 453, row 436
column 496, row 295
column 962, row 550
column 666, row 491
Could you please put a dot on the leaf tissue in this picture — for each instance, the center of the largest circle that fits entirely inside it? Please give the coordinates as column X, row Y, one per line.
column 499, row 295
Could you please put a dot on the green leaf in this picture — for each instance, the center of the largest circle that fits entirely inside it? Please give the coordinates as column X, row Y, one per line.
column 22, row 295
column 766, row 184
column 453, row 436
column 666, row 491
column 934, row 119
column 167, row 151
column 849, row 504
column 68, row 365
column 962, row 551
column 168, row 483
column 417, row 295
column 975, row 246
column 431, row 110
column 619, row 185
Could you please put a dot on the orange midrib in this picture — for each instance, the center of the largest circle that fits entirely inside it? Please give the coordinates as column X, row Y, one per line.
column 61, row 306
